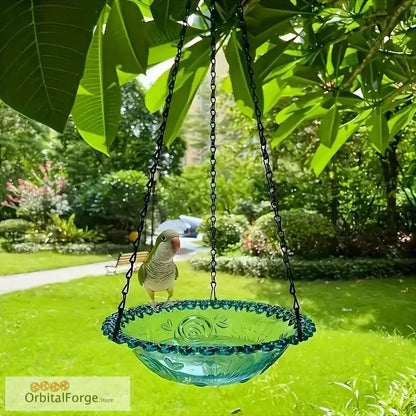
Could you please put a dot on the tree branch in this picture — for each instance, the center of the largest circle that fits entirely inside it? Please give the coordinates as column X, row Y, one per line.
column 375, row 48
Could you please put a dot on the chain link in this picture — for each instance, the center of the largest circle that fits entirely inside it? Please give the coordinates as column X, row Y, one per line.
column 213, row 149
column 153, row 168
column 267, row 168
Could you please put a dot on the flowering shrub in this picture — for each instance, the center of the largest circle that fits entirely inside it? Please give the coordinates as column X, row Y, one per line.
column 35, row 200
column 256, row 243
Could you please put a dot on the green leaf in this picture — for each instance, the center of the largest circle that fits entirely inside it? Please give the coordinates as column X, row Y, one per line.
column 362, row 6
column 304, row 102
column 401, row 119
column 191, row 74
column 96, row 111
column 125, row 77
column 160, row 11
column 125, row 38
column 329, row 33
column 156, row 94
column 288, row 127
column 324, row 154
column 165, row 10
column 410, row 39
column 43, row 50
column 371, row 77
column 395, row 71
column 329, row 65
column 337, row 56
column 266, row 63
column 144, row 6
column 284, row 67
column 269, row 17
column 328, row 128
column 194, row 57
column 272, row 92
column 294, row 121
column 181, row 101
column 163, row 42
column 303, row 76
column 379, row 134
column 349, row 100
column 239, row 75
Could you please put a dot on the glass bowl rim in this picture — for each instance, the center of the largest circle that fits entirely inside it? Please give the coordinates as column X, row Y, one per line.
column 141, row 311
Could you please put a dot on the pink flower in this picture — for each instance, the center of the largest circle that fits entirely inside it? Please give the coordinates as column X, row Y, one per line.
column 60, row 182
column 10, row 186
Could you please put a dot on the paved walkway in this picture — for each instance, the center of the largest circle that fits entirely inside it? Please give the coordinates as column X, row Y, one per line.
column 24, row 281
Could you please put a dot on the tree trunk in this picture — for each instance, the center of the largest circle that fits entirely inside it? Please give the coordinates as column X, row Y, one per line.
column 334, row 202
column 390, row 169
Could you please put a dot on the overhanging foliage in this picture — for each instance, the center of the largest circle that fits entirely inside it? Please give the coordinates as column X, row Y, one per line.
column 348, row 63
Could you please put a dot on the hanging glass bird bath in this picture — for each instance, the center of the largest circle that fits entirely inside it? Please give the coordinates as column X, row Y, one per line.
column 204, row 342
column 209, row 342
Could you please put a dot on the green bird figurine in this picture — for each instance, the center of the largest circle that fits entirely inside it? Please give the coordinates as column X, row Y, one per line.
column 158, row 272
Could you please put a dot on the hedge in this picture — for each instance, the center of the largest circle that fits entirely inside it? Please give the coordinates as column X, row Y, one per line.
column 326, row 269
column 84, row 248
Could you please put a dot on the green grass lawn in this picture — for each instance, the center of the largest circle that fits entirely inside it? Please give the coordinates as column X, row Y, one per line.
column 13, row 263
column 364, row 328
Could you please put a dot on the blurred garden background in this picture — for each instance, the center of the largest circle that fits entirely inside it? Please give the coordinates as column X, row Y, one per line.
column 336, row 84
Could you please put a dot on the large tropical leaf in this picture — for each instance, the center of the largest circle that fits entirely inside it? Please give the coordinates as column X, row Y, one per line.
column 379, row 134
column 193, row 58
column 164, row 11
column 96, row 111
column 401, row 119
column 302, row 76
column 294, row 121
column 329, row 126
column 269, row 17
column 324, row 154
column 125, row 38
column 192, row 72
column 163, row 41
column 337, row 56
column 44, row 44
column 181, row 103
column 268, row 62
column 240, row 81
column 144, row 6
column 272, row 93
column 304, row 102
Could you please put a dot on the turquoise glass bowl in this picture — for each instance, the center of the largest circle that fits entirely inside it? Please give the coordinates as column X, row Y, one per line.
column 208, row 343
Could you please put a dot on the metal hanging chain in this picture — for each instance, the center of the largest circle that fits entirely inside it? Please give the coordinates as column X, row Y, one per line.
column 267, row 168
column 153, row 168
column 213, row 149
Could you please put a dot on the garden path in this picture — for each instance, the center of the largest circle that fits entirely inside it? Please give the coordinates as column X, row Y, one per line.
column 23, row 281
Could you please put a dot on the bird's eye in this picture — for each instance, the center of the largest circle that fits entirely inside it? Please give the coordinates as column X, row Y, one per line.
column 163, row 238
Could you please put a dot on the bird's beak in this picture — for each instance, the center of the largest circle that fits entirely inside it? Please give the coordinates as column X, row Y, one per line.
column 176, row 244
